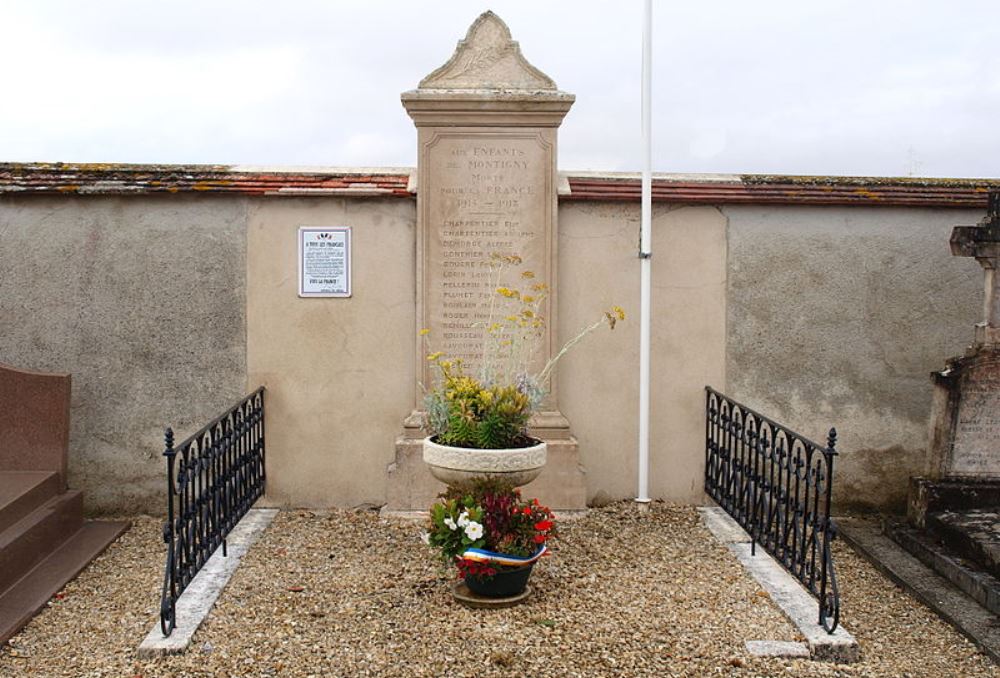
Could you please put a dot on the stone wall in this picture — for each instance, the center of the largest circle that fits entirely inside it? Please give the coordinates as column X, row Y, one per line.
column 140, row 298
column 339, row 372
column 167, row 308
column 837, row 316
column 599, row 381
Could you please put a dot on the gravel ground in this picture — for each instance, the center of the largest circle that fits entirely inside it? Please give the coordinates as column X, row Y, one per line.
column 354, row 594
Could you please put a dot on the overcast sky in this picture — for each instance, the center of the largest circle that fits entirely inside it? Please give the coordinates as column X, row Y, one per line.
column 847, row 87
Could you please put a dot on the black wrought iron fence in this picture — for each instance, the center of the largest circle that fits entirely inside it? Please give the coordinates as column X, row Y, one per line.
column 213, row 478
column 777, row 485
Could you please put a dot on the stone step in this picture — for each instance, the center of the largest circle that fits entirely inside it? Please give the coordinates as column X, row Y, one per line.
column 972, row 534
column 981, row 586
column 20, row 602
column 25, row 543
column 21, row 492
column 926, row 585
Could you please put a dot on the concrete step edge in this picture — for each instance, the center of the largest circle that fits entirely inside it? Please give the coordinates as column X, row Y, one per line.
column 981, row 586
column 928, row 587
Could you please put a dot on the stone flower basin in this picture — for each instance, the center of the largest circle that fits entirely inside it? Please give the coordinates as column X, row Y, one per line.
column 451, row 465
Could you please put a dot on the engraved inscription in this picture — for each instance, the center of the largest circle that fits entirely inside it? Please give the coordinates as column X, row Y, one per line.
column 976, row 450
column 488, row 196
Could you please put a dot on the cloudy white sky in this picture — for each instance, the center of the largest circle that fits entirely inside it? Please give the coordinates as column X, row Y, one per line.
column 850, row 87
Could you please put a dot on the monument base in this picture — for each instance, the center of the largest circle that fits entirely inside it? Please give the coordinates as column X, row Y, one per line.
column 929, row 496
column 561, row 485
column 988, row 336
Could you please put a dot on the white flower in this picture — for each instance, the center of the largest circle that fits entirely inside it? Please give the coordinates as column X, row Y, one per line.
column 450, row 523
column 473, row 530
column 426, row 538
column 463, row 519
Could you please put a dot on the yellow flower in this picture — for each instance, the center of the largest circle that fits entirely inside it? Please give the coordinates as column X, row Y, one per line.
column 527, row 274
column 434, row 356
column 528, row 313
column 505, row 291
column 511, row 318
column 539, row 287
column 619, row 312
column 486, row 397
column 424, row 332
column 527, row 298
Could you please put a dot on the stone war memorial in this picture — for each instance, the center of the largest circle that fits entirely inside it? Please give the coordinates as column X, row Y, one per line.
column 487, row 124
column 384, row 421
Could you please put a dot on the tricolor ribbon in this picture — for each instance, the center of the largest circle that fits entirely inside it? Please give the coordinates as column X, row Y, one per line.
column 483, row 556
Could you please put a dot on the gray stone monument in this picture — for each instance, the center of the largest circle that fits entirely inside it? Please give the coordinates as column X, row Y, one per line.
column 953, row 512
column 964, row 457
column 487, row 123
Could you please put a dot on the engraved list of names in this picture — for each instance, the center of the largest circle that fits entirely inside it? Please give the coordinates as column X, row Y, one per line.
column 491, row 193
column 976, row 449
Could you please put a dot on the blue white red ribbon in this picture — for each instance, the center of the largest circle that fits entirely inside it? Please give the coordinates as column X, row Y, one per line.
column 484, row 556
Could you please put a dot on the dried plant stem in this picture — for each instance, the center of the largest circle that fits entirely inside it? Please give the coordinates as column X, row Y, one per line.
column 546, row 372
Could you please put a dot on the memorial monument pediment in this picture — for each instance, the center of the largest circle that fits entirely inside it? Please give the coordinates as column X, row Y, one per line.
column 488, row 59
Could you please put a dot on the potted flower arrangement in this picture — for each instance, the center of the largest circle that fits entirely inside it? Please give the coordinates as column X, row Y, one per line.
column 490, row 534
column 478, row 424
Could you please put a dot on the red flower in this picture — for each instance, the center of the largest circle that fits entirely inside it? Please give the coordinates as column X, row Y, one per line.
column 539, row 538
column 526, row 510
column 543, row 525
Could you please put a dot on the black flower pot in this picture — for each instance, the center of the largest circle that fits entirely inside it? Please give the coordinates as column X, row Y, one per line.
column 503, row 584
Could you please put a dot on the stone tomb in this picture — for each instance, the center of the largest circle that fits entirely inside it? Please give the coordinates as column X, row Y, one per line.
column 964, row 460
column 44, row 540
column 954, row 511
column 487, row 123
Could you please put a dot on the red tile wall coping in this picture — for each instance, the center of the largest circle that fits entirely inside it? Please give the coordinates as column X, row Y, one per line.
column 116, row 179
column 789, row 190
column 34, row 421
column 103, row 179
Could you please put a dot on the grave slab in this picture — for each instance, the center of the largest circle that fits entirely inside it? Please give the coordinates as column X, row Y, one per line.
column 972, row 534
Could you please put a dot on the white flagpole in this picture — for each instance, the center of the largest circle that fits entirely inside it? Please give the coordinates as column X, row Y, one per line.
column 645, row 253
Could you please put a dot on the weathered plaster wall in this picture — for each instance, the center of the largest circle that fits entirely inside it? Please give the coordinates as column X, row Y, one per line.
column 599, row 381
column 337, row 369
column 142, row 300
column 339, row 372
column 836, row 316
column 167, row 308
